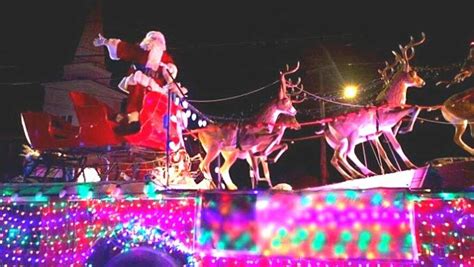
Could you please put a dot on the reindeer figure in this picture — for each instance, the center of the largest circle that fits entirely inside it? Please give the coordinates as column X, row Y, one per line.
column 459, row 111
column 366, row 124
column 348, row 130
column 467, row 69
column 266, row 145
column 230, row 138
column 397, row 82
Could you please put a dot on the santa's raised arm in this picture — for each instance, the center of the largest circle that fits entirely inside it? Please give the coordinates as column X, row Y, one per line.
column 154, row 69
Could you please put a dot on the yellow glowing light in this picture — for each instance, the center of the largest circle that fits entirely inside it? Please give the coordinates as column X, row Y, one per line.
column 370, row 255
column 357, row 226
column 341, row 206
column 266, row 253
column 350, row 91
column 377, row 227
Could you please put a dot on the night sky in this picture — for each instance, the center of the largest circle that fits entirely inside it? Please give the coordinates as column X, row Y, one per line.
column 226, row 49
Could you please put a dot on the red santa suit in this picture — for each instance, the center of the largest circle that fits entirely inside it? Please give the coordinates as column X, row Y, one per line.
column 147, row 78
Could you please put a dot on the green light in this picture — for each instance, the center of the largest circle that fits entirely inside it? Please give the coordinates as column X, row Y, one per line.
column 407, row 242
column 276, row 242
column 223, row 243
column 331, row 198
column 301, row 235
column 398, row 201
column 84, row 191
column 377, row 199
column 318, row 241
column 384, row 245
column 243, row 240
column 305, row 201
column 339, row 249
column 205, row 237
column 282, row 232
column 364, row 240
column 149, row 190
column 346, row 236
column 352, row 194
column 13, row 232
column 212, row 204
column 447, row 196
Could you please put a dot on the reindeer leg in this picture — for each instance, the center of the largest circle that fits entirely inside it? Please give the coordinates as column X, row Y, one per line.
column 396, row 145
column 366, row 171
column 337, row 145
column 338, row 161
column 229, row 160
column 335, row 163
column 460, row 128
column 397, row 127
column 282, row 148
column 409, row 128
column 384, row 155
column 256, row 174
column 471, row 126
column 249, row 162
column 266, row 171
column 350, row 152
column 251, row 168
column 212, row 153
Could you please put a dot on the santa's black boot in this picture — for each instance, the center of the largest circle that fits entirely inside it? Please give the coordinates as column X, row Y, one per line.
column 126, row 129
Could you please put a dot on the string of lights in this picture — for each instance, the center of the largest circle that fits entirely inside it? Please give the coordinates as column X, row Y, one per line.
column 367, row 93
column 232, row 97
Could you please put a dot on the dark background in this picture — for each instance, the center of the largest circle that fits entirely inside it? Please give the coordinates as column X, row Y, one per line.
column 228, row 48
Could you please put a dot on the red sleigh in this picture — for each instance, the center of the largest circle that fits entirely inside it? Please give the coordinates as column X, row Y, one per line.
column 96, row 128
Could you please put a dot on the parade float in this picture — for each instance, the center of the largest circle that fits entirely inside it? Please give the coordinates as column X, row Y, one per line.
column 147, row 207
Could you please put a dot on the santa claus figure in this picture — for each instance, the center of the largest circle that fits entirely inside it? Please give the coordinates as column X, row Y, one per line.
column 153, row 69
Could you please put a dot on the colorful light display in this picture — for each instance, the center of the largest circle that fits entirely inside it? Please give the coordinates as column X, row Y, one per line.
column 322, row 225
column 445, row 230
column 64, row 233
column 324, row 228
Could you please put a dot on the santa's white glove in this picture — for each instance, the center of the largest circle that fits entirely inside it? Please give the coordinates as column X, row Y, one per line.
column 100, row 41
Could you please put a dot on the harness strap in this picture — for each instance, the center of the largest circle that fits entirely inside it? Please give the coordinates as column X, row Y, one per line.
column 239, row 130
column 377, row 125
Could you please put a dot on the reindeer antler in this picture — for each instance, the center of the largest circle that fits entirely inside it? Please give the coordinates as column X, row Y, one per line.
column 297, row 101
column 288, row 71
column 285, row 83
column 410, row 46
column 388, row 67
column 299, row 88
column 296, row 85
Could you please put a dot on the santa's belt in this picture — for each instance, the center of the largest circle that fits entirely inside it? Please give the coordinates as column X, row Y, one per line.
column 152, row 73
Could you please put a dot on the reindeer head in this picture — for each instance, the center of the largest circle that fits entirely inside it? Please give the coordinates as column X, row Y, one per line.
column 405, row 72
column 288, row 121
